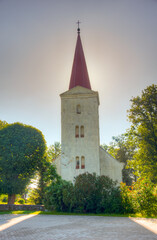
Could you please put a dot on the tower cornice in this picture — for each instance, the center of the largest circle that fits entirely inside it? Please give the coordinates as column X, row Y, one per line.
column 80, row 92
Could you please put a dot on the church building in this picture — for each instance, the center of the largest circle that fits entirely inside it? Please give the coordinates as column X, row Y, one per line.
column 81, row 151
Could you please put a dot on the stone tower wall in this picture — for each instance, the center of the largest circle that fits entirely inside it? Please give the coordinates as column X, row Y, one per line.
column 72, row 146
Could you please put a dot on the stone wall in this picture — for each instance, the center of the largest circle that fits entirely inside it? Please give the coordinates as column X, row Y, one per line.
column 86, row 146
column 21, row 207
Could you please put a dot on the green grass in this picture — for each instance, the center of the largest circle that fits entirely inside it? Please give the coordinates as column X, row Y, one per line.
column 19, row 212
column 139, row 215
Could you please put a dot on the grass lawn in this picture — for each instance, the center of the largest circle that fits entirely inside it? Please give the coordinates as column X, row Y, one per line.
column 139, row 215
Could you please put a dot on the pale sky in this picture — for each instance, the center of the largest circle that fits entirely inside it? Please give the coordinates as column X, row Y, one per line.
column 37, row 43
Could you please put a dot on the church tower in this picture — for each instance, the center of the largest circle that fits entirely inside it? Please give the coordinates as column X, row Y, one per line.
column 79, row 122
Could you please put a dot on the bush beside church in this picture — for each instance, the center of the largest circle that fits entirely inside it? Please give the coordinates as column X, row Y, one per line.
column 100, row 194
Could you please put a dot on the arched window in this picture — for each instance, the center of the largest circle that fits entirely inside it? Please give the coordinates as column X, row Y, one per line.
column 82, row 131
column 82, row 162
column 77, row 163
column 78, row 109
column 77, row 131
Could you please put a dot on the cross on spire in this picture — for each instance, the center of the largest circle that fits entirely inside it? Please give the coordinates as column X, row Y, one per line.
column 79, row 74
column 78, row 23
column 78, row 29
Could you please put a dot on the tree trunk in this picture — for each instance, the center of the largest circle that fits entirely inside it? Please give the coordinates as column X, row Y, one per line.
column 11, row 198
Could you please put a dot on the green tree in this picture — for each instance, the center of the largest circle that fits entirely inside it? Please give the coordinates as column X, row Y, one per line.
column 3, row 124
column 54, row 151
column 41, row 171
column 143, row 115
column 141, row 197
column 122, row 148
column 21, row 149
column 46, row 174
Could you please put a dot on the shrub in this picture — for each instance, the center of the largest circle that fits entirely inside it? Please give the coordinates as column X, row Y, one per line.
column 141, row 197
column 86, row 192
column 127, row 198
column 89, row 193
column 146, row 196
column 97, row 194
column 3, row 198
column 100, row 194
column 54, row 195
column 33, row 196
column 21, row 201
column 69, row 198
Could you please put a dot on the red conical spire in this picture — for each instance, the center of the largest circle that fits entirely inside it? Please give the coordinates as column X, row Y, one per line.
column 79, row 74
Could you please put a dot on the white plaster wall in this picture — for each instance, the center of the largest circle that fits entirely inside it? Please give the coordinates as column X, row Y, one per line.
column 57, row 163
column 72, row 146
column 109, row 166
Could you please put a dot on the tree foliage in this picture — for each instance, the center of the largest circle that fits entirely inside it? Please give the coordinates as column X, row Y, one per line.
column 47, row 174
column 54, row 195
column 122, row 148
column 54, row 151
column 90, row 193
column 21, row 150
column 143, row 115
column 3, row 124
column 137, row 148
column 141, row 197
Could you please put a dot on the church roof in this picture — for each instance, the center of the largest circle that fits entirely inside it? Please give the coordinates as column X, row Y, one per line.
column 79, row 74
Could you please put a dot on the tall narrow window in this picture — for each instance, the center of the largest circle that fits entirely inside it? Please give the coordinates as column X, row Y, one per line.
column 78, row 109
column 82, row 131
column 77, row 131
column 77, row 163
column 82, row 162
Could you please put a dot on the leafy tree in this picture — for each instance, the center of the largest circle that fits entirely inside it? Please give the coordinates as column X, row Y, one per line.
column 141, row 197
column 46, row 174
column 33, row 196
column 3, row 124
column 122, row 148
column 21, row 150
column 41, row 171
column 47, row 171
column 143, row 115
column 54, row 151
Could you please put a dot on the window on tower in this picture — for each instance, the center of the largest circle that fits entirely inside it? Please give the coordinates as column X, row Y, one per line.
column 77, row 163
column 82, row 162
column 82, row 131
column 77, row 131
column 78, row 109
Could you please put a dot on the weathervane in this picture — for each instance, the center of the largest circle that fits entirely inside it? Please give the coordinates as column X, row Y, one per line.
column 78, row 29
